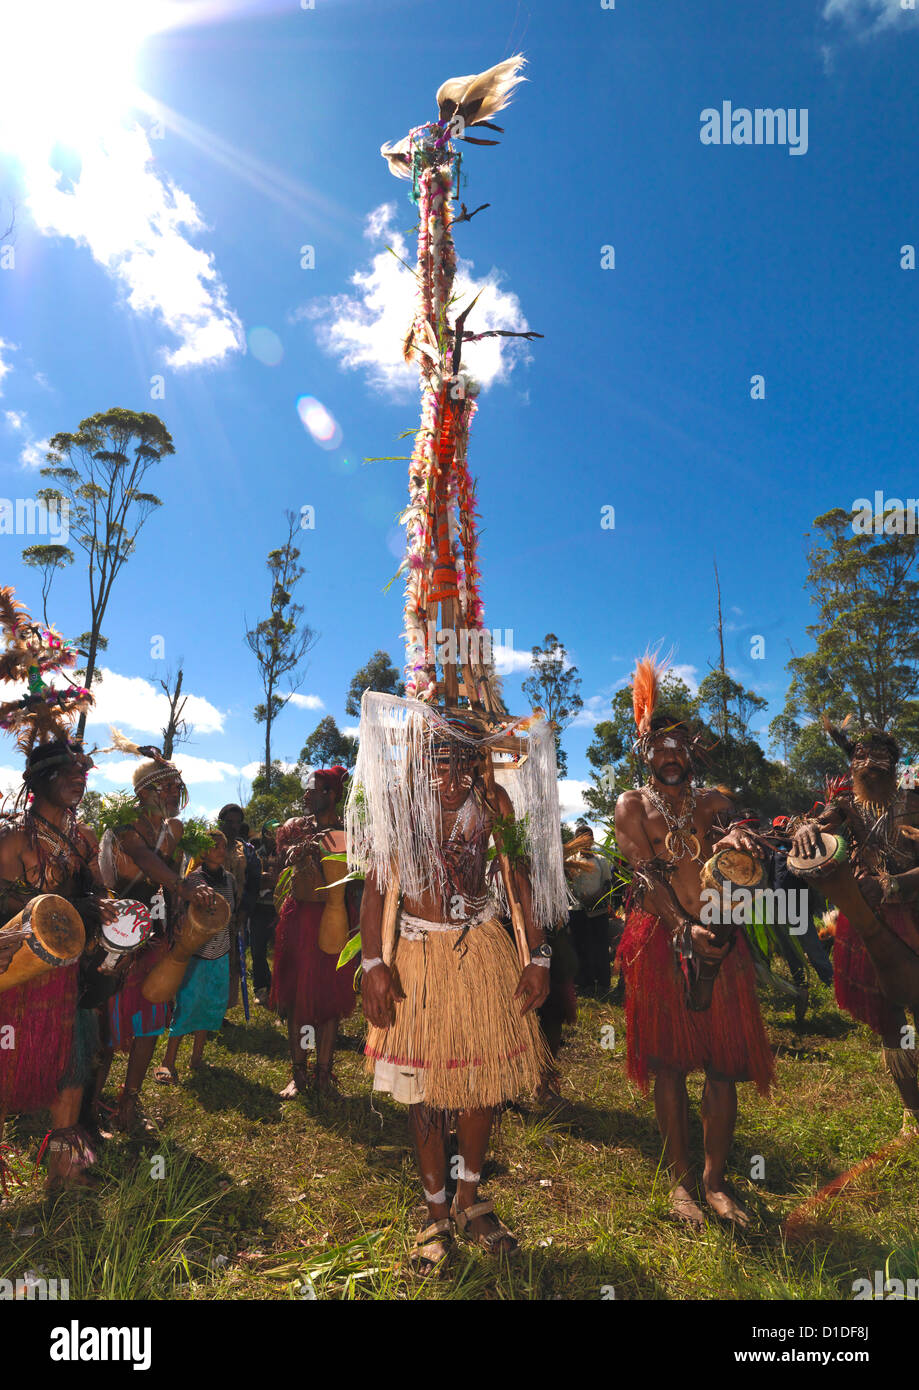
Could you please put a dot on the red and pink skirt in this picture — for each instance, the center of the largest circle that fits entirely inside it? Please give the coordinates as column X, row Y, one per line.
column 41, row 1014
column 132, row 1016
column 728, row 1040
column 854, row 976
column 305, row 983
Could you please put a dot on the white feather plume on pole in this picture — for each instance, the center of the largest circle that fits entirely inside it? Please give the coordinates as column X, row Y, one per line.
column 479, row 96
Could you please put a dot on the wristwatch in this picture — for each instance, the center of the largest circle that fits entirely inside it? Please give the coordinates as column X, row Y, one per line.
column 542, row 953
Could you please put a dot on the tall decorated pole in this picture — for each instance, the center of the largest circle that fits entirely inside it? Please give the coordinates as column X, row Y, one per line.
column 453, row 692
column 441, row 559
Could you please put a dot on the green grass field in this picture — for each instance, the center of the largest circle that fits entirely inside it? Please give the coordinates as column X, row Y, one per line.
column 261, row 1198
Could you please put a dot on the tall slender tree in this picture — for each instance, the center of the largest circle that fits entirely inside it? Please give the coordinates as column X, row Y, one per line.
column 49, row 559
column 176, row 729
column 98, row 472
column 327, row 745
column 553, row 687
column 280, row 642
column 863, row 578
column 378, row 674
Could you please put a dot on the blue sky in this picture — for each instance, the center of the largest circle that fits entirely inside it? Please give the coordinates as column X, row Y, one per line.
column 143, row 251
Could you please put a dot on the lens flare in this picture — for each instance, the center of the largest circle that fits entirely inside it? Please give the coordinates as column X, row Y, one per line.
column 318, row 422
column 265, row 346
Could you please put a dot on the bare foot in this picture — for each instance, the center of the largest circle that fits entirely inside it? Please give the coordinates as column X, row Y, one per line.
column 296, row 1084
column 325, row 1083
column 130, row 1117
column 684, row 1206
column 723, row 1205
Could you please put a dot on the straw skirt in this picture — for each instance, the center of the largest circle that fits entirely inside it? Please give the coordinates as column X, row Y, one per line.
column 459, row 1040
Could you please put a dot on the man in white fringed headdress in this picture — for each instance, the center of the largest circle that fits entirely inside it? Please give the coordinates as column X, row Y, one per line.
column 453, row 1028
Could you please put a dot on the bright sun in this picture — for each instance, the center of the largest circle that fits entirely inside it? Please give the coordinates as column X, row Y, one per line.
column 67, row 68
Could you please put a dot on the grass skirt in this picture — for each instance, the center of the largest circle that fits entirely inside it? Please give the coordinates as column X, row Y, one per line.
column 132, row 1016
column 41, row 1016
column 727, row 1040
column 202, row 998
column 855, row 979
column 459, row 1022
column 304, row 982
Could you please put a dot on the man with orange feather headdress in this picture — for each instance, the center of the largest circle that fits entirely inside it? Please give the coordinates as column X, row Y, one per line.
column 47, row 1040
column 667, row 830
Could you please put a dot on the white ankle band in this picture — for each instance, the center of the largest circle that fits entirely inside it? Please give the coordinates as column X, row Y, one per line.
column 463, row 1173
column 436, row 1198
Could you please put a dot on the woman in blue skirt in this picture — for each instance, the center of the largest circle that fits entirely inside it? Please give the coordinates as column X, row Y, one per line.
column 204, row 992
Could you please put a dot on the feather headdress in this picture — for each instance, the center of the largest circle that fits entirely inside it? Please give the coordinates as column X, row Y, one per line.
column 156, row 769
column 837, row 733
column 44, row 714
column 848, row 738
column 645, row 686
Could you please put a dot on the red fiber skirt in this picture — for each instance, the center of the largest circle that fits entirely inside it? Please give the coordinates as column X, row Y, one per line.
column 854, row 976
column 41, row 1014
column 304, row 981
column 728, row 1039
column 132, row 1016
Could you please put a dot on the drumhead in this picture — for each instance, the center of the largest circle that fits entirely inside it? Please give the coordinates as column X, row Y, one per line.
column 57, row 932
column 211, row 921
column 734, row 866
column 832, row 851
column 129, row 929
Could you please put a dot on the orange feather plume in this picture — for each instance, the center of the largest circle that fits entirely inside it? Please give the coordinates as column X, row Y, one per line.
column 645, row 682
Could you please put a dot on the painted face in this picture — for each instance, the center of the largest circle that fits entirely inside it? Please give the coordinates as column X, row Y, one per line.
column 669, row 760
column 876, row 757
column 453, row 781
column 66, row 786
column 173, row 796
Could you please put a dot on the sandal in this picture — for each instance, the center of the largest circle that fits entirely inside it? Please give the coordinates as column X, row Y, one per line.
column 431, row 1248
column 486, row 1239
column 165, row 1077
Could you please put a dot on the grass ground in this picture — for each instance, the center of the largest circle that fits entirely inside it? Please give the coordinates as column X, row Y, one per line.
column 246, row 1196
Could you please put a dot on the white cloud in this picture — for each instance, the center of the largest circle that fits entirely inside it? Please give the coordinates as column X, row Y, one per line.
column 353, row 731
column 366, row 330
column 306, row 701
column 5, row 367
column 135, row 704
column 251, row 769
column 508, row 660
column 32, row 454
column 10, row 781
column 118, row 772
column 688, row 674
column 15, row 419
column 869, row 16
column 595, row 708
column 137, row 222
column 571, row 798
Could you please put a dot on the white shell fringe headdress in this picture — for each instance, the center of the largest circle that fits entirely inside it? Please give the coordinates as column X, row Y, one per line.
column 392, row 817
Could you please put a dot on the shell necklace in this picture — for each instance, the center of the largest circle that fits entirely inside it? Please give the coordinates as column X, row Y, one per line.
column 680, row 839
